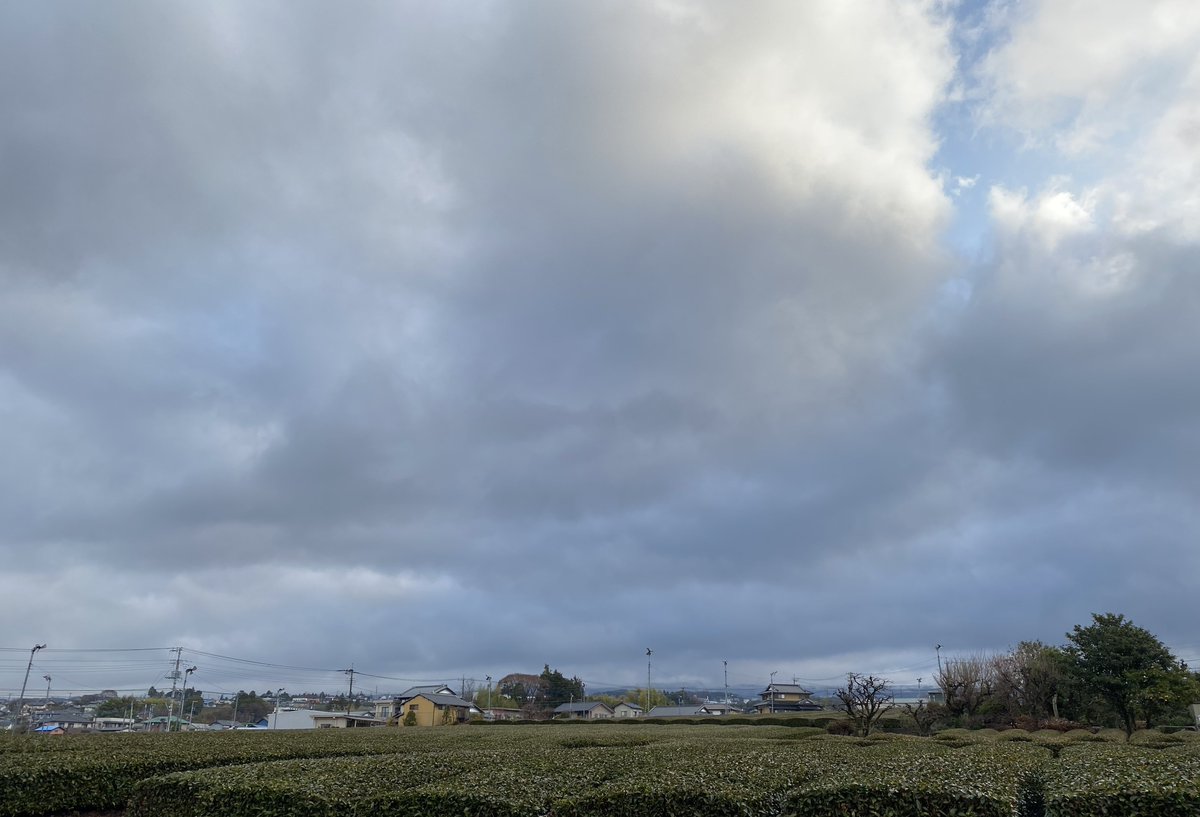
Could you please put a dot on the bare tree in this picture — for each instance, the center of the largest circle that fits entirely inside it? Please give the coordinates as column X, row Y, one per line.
column 923, row 717
column 865, row 699
column 1028, row 679
column 966, row 683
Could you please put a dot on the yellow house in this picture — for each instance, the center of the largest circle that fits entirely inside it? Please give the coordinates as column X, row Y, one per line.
column 433, row 709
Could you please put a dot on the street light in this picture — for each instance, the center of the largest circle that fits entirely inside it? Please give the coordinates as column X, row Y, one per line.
column 649, row 652
column 278, row 695
column 489, row 683
column 183, row 695
column 771, row 690
column 46, row 678
column 21, row 700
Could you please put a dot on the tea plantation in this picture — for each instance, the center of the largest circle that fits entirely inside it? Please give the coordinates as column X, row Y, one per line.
column 603, row 770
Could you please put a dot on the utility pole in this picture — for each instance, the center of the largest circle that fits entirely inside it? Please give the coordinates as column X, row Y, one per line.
column 183, row 693
column 47, row 679
column 726, row 663
column 649, row 652
column 350, row 700
column 771, row 689
column 489, row 697
column 174, row 676
column 275, row 721
column 938, row 649
column 29, row 666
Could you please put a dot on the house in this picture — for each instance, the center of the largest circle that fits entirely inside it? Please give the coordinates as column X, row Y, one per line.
column 718, row 707
column 159, row 724
column 426, row 689
column 584, row 711
column 113, row 724
column 344, row 720
column 385, row 708
column 786, row 698
column 627, row 710
column 502, row 713
column 227, row 724
column 68, row 722
column 690, row 711
column 50, row 730
column 433, row 709
column 388, row 708
column 288, row 718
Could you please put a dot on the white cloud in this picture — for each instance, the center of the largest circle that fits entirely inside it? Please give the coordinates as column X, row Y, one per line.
column 1051, row 217
column 1080, row 73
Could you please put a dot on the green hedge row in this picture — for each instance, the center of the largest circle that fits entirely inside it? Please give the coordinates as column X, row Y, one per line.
column 1124, row 781
column 585, row 772
column 683, row 774
column 97, row 773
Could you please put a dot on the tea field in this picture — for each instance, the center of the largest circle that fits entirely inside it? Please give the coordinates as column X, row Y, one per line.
column 601, row 770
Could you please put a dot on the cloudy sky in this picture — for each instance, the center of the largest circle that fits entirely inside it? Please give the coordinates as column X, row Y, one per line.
column 458, row 338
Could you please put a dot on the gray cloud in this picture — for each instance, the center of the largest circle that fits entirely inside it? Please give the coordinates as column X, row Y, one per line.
column 562, row 330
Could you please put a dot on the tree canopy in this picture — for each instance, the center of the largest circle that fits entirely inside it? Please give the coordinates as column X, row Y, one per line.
column 559, row 689
column 1128, row 668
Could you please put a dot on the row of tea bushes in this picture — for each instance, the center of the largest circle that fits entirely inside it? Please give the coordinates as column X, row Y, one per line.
column 97, row 773
column 685, row 774
column 580, row 771
column 1124, row 781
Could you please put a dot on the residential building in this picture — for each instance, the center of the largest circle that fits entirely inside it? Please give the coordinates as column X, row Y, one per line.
column 786, row 698
column 689, row 711
column 502, row 713
column 113, row 724
column 434, row 709
column 426, row 689
column 68, row 721
column 584, row 711
column 627, row 710
column 385, row 708
column 288, row 718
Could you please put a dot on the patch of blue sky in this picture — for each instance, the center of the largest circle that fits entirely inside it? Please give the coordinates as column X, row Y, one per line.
column 977, row 153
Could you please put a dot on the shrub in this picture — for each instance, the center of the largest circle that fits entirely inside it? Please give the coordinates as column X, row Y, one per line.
column 840, row 728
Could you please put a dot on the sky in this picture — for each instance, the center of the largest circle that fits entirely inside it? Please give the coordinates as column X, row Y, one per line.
column 456, row 339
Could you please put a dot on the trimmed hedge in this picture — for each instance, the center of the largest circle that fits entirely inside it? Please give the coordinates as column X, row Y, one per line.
column 1123, row 781
column 560, row 771
column 681, row 774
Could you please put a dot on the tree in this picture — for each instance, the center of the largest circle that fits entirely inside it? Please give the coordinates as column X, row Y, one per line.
column 116, row 707
column 1127, row 667
column 1029, row 680
column 966, row 684
column 559, row 688
column 865, row 699
column 923, row 717
column 521, row 687
column 495, row 700
column 657, row 697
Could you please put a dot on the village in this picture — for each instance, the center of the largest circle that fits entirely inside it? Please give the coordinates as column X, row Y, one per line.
column 427, row 705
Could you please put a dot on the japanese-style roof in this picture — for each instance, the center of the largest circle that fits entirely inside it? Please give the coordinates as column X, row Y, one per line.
column 426, row 689
column 65, row 717
column 790, row 689
column 581, row 706
column 443, row 700
column 676, row 711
